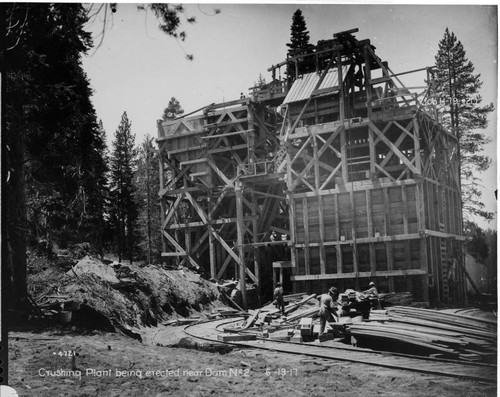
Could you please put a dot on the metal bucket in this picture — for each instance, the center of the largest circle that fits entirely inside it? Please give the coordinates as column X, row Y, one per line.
column 65, row 316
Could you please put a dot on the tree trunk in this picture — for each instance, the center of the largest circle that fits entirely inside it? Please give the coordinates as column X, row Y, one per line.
column 14, row 222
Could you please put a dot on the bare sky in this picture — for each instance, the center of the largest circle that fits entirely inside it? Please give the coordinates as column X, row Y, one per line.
column 138, row 69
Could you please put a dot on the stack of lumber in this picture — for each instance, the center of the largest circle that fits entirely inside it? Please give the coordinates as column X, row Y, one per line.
column 429, row 332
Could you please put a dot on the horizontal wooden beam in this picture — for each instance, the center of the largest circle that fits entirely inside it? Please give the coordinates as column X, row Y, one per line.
column 435, row 233
column 175, row 192
column 227, row 134
column 282, row 264
column 365, row 240
column 173, row 254
column 195, row 161
column 325, row 128
column 265, row 194
column 266, row 243
column 384, row 273
column 279, row 230
column 183, row 225
column 355, row 186
column 223, row 149
column 226, row 104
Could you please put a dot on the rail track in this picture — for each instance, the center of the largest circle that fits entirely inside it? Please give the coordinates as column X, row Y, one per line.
column 483, row 372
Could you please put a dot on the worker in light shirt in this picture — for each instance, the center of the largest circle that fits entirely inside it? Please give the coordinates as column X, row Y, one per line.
column 327, row 307
column 278, row 298
column 372, row 290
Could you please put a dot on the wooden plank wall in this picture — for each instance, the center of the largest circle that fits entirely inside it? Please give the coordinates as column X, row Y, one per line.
column 371, row 214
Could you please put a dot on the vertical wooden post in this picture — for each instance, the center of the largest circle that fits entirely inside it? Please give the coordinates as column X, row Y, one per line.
column 368, row 81
column 250, row 135
column 373, row 260
column 420, row 204
column 255, row 230
column 305, row 215
column 316, row 165
column 211, row 248
column 316, row 117
column 373, row 152
column 390, row 264
column 176, row 231
column 187, row 240
column 406, row 230
column 387, row 211
column 341, row 86
column 343, row 149
column 293, row 234
column 355, row 260
column 355, row 256
column 416, row 142
column 353, row 215
column 426, row 192
column 369, row 213
column 340, row 261
column 322, row 252
column 435, row 266
column 162, row 201
column 240, row 225
column 424, row 265
column 405, row 209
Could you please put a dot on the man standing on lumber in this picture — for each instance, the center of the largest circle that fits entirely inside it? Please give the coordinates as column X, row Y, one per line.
column 278, row 298
column 327, row 307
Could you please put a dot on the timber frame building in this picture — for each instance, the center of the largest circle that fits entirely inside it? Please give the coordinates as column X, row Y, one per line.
column 339, row 175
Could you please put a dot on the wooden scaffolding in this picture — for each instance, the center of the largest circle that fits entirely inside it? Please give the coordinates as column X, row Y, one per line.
column 340, row 176
column 223, row 205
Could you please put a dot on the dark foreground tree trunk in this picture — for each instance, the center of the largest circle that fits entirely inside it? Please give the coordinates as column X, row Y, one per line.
column 14, row 224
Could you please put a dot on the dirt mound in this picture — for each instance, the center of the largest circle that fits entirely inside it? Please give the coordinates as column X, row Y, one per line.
column 89, row 265
column 121, row 297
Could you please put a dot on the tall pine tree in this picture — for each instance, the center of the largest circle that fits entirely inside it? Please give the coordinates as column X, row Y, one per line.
column 457, row 88
column 123, row 205
column 51, row 139
column 299, row 45
column 148, row 185
column 96, row 187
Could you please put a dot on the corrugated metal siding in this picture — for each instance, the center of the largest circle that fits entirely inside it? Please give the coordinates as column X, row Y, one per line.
column 304, row 86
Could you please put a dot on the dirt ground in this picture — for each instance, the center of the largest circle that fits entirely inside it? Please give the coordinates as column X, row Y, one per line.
column 109, row 364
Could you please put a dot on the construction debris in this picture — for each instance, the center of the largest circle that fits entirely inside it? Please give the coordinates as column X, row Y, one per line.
column 398, row 329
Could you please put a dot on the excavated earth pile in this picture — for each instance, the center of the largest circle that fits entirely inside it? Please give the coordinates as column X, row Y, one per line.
column 118, row 296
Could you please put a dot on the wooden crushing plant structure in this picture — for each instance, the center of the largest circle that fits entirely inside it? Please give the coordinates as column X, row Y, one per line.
column 337, row 175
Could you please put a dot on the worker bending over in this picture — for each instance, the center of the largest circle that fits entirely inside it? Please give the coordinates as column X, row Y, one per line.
column 327, row 307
